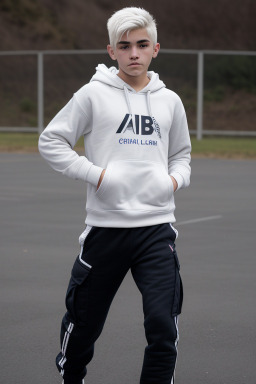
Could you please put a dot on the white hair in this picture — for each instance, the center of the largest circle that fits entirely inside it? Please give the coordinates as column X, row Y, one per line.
column 128, row 19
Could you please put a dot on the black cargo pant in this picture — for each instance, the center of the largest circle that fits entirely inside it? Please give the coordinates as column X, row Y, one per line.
column 106, row 257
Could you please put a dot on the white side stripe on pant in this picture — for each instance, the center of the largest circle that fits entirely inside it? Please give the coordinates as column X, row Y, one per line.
column 82, row 238
column 176, row 345
column 62, row 361
column 64, row 346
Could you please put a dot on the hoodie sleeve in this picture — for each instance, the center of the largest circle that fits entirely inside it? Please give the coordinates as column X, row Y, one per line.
column 57, row 141
column 179, row 147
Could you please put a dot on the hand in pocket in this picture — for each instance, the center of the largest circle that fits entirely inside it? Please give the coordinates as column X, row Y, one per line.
column 101, row 178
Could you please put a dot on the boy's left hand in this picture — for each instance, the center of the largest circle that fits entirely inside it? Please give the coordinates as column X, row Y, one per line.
column 101, row 178
column 175, row 184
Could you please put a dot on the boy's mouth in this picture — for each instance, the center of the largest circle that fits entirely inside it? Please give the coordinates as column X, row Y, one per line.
column 133, row 64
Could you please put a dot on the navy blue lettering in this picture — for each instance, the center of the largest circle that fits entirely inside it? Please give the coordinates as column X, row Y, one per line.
column 123, row 123
column 146, row 125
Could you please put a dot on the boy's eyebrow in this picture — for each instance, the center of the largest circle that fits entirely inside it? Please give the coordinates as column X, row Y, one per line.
column 138, row 42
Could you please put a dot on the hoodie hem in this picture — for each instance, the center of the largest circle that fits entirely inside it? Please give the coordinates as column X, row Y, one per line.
column 127, row 219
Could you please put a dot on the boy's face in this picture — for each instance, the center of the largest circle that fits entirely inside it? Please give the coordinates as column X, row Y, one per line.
column 134, row 54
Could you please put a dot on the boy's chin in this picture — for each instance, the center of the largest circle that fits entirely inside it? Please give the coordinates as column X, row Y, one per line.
column 134, row 71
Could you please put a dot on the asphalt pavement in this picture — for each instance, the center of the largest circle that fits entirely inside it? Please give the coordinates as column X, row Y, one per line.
column 42, row 215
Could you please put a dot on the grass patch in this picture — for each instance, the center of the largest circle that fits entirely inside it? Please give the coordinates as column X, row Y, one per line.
column 18, row 142
column 227, row 147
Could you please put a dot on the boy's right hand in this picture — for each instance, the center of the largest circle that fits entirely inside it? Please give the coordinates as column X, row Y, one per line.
column 101, row 178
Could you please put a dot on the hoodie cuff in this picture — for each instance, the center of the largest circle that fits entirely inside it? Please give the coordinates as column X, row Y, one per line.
column 93, row 175
column 177, row 176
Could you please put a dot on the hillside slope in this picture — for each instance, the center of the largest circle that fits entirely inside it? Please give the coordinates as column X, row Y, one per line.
column 81, row 24
column 230, row 86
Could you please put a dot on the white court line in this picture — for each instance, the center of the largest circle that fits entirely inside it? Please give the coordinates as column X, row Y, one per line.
column 198, row 220
column 18, row 196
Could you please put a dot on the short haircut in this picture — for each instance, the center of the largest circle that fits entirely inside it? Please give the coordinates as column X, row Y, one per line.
column 128, row 19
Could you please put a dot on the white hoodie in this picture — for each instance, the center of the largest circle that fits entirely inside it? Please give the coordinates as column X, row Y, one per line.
column 140, row 138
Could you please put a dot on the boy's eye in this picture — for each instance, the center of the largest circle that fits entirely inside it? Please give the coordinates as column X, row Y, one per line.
column 143, row 45
column 124, row 47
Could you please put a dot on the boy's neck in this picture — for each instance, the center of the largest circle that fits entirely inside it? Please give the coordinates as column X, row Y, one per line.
column 136, row 82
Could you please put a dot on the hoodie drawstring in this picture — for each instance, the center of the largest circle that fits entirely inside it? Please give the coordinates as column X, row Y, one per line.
column 128, row 100
column 126, row 92
column 149, row 105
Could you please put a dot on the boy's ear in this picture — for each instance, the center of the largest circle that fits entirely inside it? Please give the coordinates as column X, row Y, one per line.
column 111, row 52
column 156, row 50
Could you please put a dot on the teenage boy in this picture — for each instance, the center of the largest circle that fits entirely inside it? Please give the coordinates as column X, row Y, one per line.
column 137, row 150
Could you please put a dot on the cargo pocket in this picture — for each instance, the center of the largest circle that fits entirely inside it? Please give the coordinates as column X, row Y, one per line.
column 77, row 296
column 178, row 293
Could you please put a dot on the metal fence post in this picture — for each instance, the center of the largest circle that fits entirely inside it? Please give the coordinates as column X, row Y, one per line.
column 40, row 92
column 200, row 95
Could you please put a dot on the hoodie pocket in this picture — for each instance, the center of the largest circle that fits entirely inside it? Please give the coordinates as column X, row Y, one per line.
column 135, row 185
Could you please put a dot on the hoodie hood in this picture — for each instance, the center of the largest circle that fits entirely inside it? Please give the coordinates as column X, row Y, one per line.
column 109, row 77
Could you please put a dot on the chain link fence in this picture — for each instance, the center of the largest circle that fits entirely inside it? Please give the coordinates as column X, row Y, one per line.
column 218, row 88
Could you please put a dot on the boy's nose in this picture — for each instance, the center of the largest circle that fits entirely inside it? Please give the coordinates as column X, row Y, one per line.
column 134, row 53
